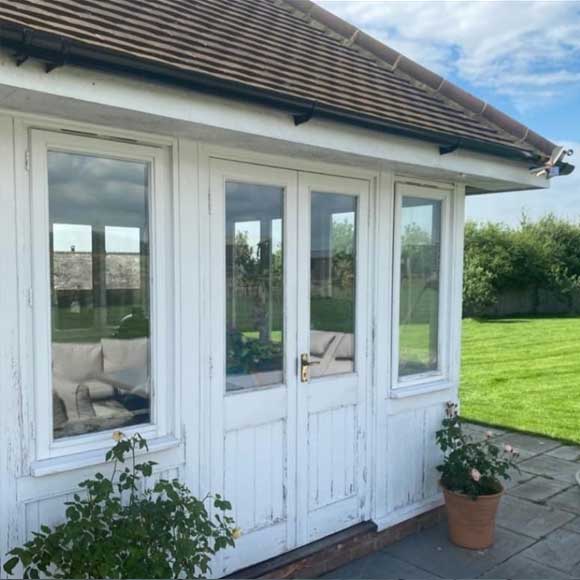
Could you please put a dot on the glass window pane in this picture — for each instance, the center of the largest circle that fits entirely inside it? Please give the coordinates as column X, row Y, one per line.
column 419, row 292
column 254, row 285
column 99, row 254
column 332, row 283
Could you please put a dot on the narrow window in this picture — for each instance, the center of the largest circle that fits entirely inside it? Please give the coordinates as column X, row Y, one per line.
column 420, row 231
column 254, row 285
column 332, row 283
column 99, row 257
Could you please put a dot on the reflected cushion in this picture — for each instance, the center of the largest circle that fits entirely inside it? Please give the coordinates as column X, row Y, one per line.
column 74, row 396
column 59, row 416
column 120, row 354
column 345, row 347
column 76, row 361
column 320, row 341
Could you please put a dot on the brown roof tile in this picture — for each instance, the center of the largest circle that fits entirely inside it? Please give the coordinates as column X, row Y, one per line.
column 291, row 48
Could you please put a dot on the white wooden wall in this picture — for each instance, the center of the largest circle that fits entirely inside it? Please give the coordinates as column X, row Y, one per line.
column 12, row 453
column 401, row 450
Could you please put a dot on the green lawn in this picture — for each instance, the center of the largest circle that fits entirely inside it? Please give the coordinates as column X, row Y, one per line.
column 523, row 373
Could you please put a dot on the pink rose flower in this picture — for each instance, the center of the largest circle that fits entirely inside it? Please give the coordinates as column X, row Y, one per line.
column 488, row 434
column 508, row 448
column 475, row 475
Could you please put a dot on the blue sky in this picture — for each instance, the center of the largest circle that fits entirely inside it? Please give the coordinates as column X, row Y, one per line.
column 523, row 57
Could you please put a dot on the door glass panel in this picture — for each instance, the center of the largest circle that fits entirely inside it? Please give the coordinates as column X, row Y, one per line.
column 419, row 290
column 99, row 258
column 254, row 285
column 332, row 283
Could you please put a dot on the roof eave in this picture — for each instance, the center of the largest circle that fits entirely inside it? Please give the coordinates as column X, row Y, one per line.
column 56, row 51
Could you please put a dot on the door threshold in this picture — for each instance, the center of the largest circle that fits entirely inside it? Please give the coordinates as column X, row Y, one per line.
column 325, row 555
column 280, row 566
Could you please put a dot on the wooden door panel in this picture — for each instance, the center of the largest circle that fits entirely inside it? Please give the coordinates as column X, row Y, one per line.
column 332, row 442
column 334, row 517
column 255, row 470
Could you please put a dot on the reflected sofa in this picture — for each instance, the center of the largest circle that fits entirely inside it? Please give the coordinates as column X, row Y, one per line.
column 98, row 386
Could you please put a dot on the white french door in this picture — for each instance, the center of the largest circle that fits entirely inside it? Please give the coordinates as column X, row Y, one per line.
column 287, row 354
column 332, row 334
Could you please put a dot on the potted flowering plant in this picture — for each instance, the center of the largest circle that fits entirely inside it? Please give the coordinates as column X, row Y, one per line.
column 471, row 475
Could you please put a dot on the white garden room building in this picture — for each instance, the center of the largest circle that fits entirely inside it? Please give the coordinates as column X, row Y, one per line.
column 235, row 228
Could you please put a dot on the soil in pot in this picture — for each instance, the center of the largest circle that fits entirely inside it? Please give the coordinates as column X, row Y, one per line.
column 471, row 522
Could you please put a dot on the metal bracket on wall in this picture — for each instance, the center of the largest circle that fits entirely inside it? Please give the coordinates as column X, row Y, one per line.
column 446, row 149
column 23, row 55
column 301, row 118
column 58, row 62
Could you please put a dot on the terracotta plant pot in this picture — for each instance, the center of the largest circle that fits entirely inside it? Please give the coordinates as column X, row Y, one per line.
column 471, row 523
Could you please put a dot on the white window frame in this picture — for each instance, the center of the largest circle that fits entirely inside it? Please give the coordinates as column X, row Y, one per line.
column 440, row 378
column 50, row 454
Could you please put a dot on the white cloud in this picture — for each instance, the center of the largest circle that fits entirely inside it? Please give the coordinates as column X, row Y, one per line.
column 528, row 52
column 521, row 49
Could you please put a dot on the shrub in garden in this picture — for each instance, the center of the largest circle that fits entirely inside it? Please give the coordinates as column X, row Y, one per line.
column 123, row 528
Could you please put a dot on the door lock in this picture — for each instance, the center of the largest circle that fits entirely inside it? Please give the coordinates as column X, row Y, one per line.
column 305, row 364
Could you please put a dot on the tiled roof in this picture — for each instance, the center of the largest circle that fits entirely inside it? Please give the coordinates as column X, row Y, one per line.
column 288, row 48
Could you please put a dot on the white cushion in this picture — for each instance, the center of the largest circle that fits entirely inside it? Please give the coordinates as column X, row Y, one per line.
column 345, row 348
column 59, row 416
column 320, row 341
column 339, row 367
column 99, row 390
column 77, row 361
column 75, row 397
column 120, row 354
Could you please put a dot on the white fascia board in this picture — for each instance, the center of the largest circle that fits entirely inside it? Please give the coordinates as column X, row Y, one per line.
column 102, row 98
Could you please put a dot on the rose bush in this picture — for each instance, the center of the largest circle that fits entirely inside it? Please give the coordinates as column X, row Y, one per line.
column 470, row 467
column 122, row 527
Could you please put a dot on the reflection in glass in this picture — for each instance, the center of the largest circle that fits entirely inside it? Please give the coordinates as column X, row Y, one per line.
column 419, row 293
column 254, row 285
column 99, row 257
column 332, row 283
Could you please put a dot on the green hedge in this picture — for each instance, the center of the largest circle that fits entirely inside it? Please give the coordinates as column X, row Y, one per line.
column 535, row 255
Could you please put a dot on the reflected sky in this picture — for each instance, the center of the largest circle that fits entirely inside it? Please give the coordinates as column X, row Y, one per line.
column 421, row 213
column 87, row 191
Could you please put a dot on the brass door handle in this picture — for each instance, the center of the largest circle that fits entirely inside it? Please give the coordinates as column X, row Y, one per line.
column 305, row 364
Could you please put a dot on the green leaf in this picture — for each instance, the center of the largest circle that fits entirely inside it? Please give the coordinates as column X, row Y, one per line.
column 11, row 564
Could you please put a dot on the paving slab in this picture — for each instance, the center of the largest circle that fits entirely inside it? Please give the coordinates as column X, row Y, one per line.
column 524, row 455
column 531, row 519
column 574, row 525
column 432, row 550
column 378, row 566
column 568, row 500
column 566, row 452
column 478, row 432
column 519, row 568
column 530, row 443
column 539, row 489
column 538, row 533
column 517, row 478
column 560, row 550
column 551, row 467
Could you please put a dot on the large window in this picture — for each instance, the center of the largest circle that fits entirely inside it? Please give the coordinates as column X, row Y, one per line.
column 420, row 234
column 99, row 271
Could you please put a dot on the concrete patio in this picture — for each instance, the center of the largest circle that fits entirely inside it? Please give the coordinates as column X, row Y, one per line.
column 538, row 533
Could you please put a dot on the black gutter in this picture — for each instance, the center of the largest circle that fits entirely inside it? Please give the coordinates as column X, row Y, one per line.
column 56, row 51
